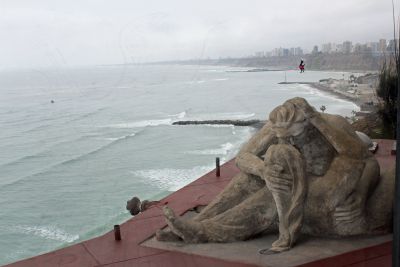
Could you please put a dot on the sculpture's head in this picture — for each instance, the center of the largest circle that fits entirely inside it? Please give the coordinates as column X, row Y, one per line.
column 291, row 118
column 133, row 205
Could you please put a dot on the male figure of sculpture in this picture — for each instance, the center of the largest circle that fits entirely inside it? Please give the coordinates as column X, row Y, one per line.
column 303, row 172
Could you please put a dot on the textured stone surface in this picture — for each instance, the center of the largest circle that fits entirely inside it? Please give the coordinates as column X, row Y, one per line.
column 104, row 251
column 303, row 172
column 343, row 252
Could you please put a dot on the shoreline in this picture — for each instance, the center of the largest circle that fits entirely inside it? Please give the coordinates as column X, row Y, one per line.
column 356, row 100
column 316, row 85
column 364, row 100
column 361, row 92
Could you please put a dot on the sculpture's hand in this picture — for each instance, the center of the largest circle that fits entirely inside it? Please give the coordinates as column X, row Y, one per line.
column 277, row 180
column 350, row 210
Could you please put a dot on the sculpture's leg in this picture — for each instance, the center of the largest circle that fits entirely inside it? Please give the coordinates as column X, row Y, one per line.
column 253, row 216
column 286, row 178
column 380, row 204
column 240, row 188
column 336, row 202
column 189, row 231
column 350, row 214
column 167, row 235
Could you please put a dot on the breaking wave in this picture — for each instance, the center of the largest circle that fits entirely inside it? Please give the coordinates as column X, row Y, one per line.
column 172, row 179
column 47, row 232
column 141, row 124
column 179, row 116
column 223, row 150
column 118, row 138
column 222, row 116
column 146, row 123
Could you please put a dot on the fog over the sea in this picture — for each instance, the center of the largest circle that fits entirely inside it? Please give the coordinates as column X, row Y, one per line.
column 46, row 33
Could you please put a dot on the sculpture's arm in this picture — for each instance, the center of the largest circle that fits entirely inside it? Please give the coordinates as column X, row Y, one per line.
column 338, row 133
column 248, row 159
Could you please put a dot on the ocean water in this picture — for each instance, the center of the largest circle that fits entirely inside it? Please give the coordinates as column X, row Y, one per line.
column 67, row 168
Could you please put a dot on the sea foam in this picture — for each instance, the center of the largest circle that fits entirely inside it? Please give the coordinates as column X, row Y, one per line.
column 221, row 116
column 141, row 124
column 47, row 232
column 222, row 150
column 179, row 116
column 172, row 179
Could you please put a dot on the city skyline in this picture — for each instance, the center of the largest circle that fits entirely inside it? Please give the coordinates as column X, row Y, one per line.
column 47, row 33
column 372, row 47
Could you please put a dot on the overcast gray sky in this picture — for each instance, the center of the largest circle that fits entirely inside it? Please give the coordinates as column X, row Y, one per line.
column 45, row 33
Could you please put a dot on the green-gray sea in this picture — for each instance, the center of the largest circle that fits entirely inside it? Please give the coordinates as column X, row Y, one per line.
column 67, row 168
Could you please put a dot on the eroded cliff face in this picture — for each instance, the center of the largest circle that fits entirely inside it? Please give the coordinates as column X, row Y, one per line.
column 319, row 61
column 343, row 62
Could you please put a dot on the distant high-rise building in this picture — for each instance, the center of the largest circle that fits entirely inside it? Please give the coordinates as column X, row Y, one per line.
column 285, row 52
column 339, row 48
column 336, row 48
column 260, row 54
column 315, row 49
column 357, row 48
column 373, row 46
column 276, row 52
column 326, row 48
column 361, row 49
column 298, row 51
column 347, row 47
column 382, row 45
column 392, row 44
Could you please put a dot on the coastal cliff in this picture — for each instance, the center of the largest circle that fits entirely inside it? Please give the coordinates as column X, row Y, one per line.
column 319, row 61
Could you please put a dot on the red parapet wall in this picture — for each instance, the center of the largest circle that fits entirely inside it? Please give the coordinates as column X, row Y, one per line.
column 105, row 251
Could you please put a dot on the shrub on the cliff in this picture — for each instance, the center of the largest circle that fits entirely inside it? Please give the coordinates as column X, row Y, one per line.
column 387, row 91
column 388, row 87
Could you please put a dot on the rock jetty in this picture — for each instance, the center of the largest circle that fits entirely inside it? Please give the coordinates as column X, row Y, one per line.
column 253, row 123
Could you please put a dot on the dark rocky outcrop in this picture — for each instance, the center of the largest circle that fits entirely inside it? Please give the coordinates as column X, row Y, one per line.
column 253, row 123
column 135, row 205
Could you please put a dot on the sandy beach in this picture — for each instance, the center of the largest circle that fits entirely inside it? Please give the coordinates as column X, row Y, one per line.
column 362, row 91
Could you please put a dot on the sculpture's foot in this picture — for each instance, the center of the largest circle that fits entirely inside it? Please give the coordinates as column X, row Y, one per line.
column 280, row 245
column 165, row 235
column 189, row 231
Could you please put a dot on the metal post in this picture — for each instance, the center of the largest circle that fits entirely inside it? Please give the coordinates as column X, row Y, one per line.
column 396, row 210
column 218, row 171
column 117, row 232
